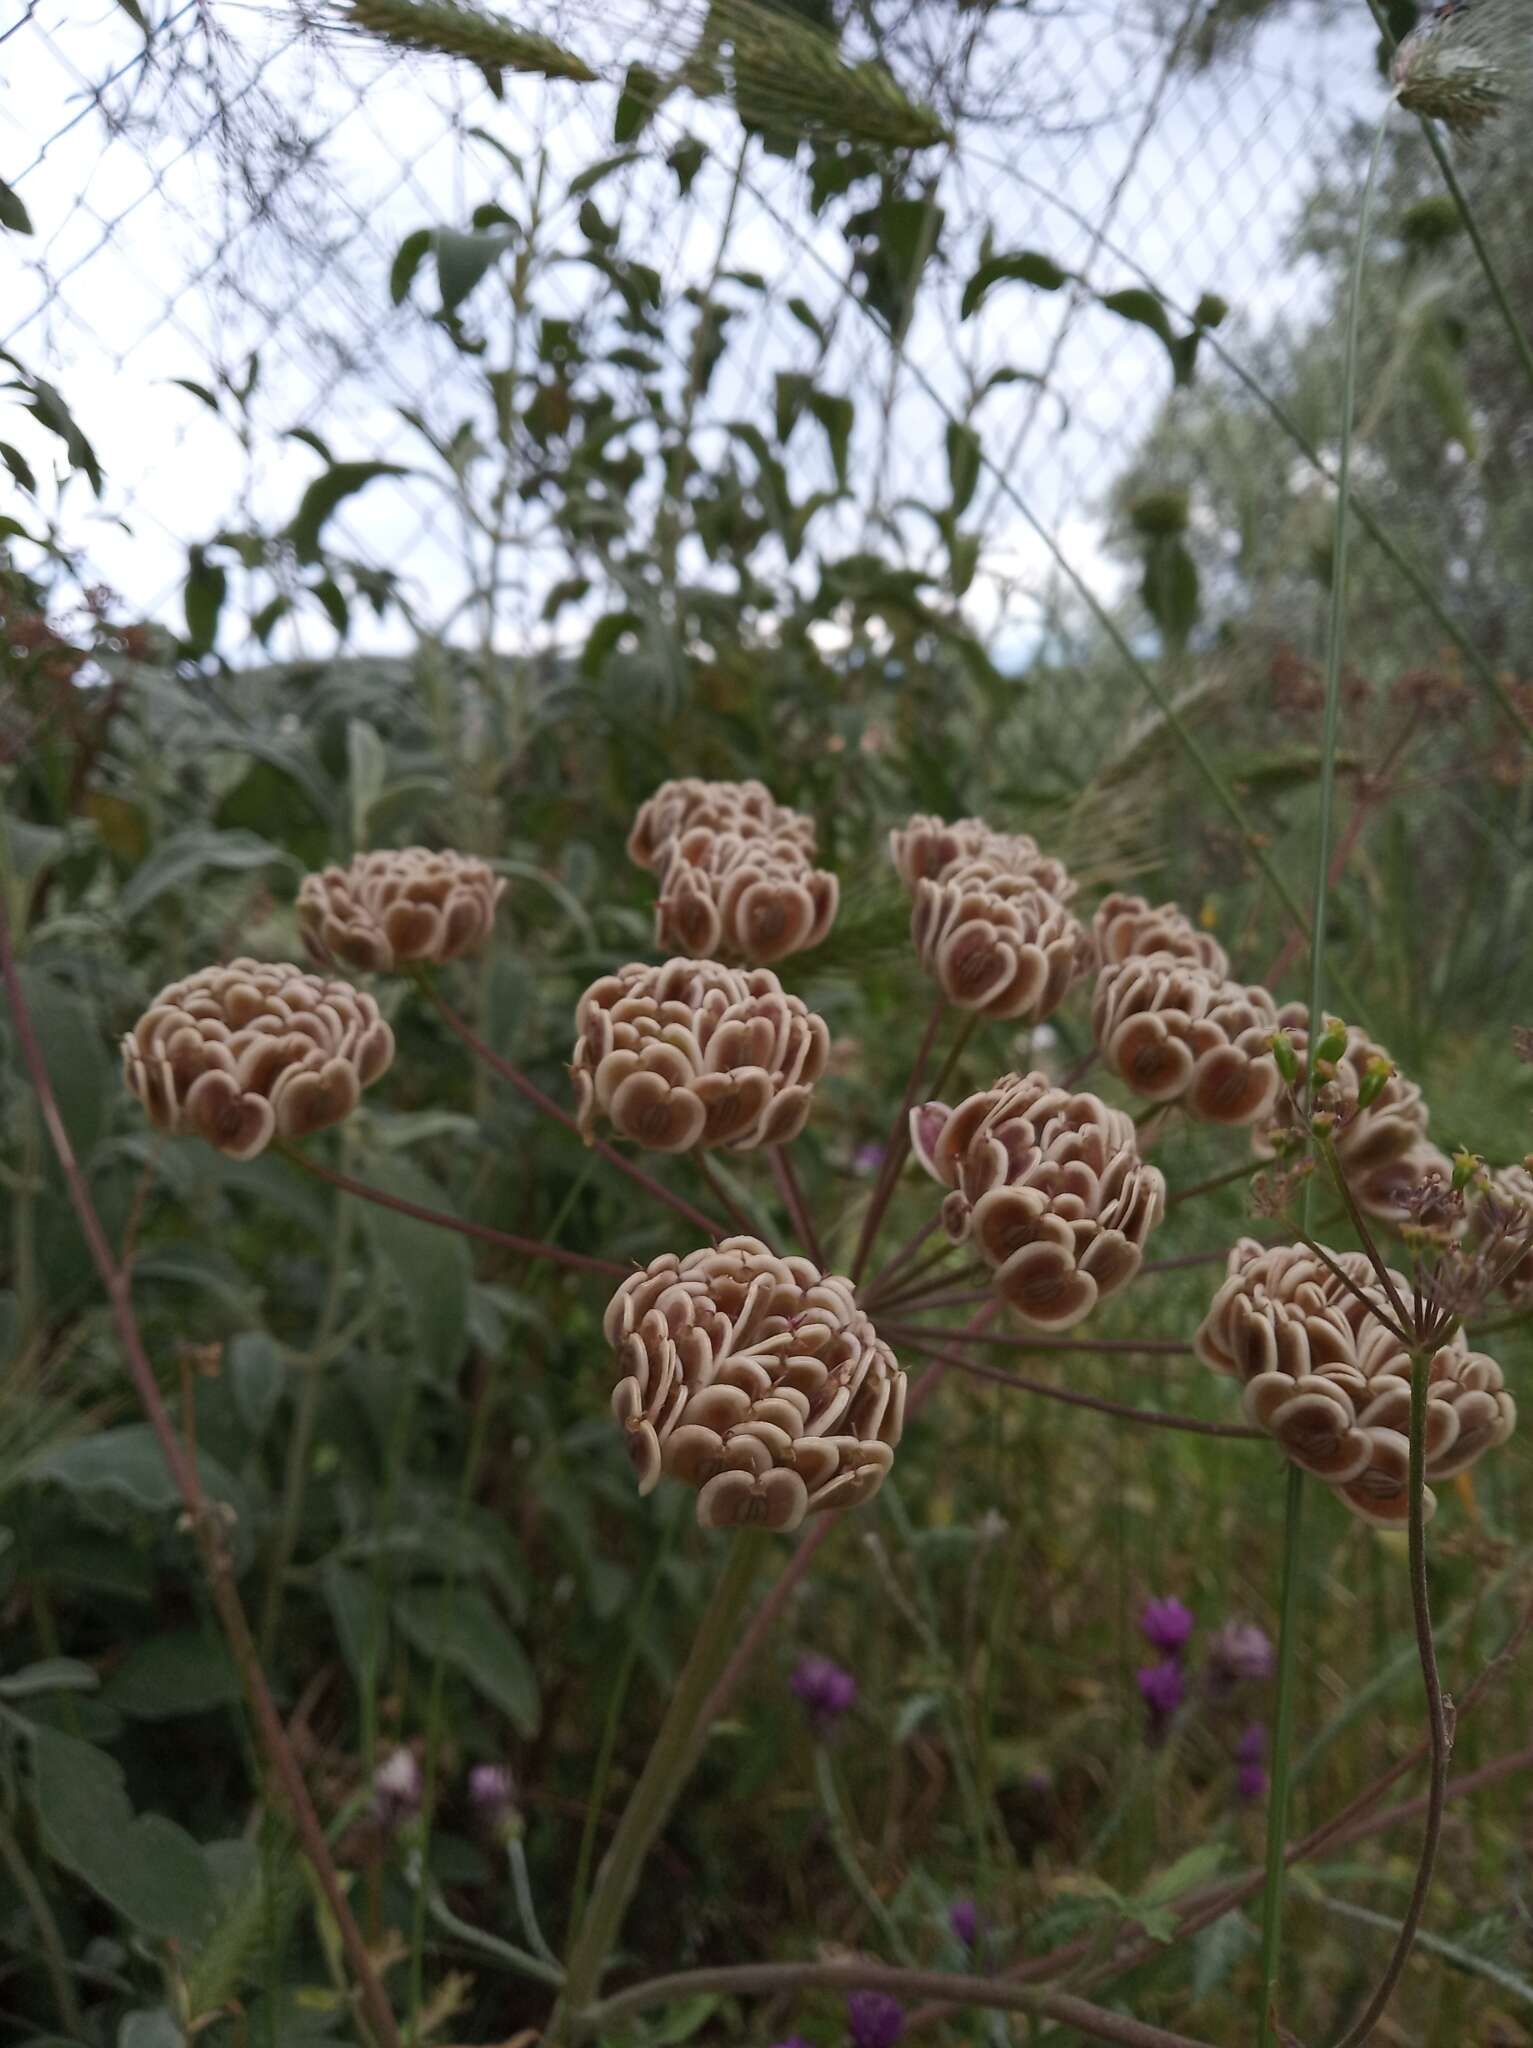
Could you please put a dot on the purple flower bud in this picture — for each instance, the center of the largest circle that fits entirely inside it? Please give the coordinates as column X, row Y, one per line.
column 1166, row 1625
column 867, row 1159
column 1162, row 1688
column 1252, row 1746
column 825, row 1689
column 492, row 1793
column 397, row 1789
column 1238, row 1654
column 963, row 1918
column 876, row 2021
column 1251, row 1783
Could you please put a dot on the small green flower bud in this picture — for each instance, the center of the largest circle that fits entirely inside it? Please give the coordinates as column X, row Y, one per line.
column 1323, row 1122
column 1333, row 1042
column 1286, row 1058
column 1376, row 1078
column 1467, row 1166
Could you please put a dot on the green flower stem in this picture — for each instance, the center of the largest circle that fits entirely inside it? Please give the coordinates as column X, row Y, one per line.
column 1439, row 1723
column 491, row 1946
column 846, row 1855
column 674, row 1752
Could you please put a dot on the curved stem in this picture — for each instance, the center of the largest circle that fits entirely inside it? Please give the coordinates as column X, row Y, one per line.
column 530, row 1091
column 1244, row 1171
column 669, row 1764
column 846, row 1853
column 793, row 1201
column 524, row 1247
column 206, row 1523
column 1439, row 1723
column 899, row 1139
column 1151, row 1347
column 1153, row 1418
column 997, row 1994
column 526, row 1906
column 886, row 1273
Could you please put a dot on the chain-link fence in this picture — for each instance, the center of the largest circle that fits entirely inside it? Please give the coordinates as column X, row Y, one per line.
column 216, row 211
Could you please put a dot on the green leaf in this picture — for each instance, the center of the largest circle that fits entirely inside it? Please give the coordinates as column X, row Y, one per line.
column 963, row 464
column 686, row 160
column 136, row 14
column 791, row 391
column 1146, row 309
column 462, row 260
column 51, row 1674
column 185, row 1672
column 198, row 391
column 147, row 1868
column 463, row 1628
column 126, row 1464
column 256, row 1379
column 361, row 1622
column 367, row 767
column 836, row 415
column 1023, row 266
column 684, row 2021
column 13, row 214
column 603, row 638
column 187, row 856
column 155, row 2029
column 643, row 92
column 340, row 481
column 408, row 258
column 433, row 1265
column 333, row 599
column 1170, row 587
column 46, row 404
column 805, row 315
column 80, row 1069
column 18, row 466
column 205, row 590
column 1216, row 1951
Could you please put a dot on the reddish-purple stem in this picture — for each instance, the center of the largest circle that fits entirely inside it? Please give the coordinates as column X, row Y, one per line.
column 1153, row 1418
column 793, row 1201
column 899, row 1140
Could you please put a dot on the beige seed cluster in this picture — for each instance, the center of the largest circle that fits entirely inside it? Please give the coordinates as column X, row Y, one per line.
column 928, row 849
column 692, row 1055
column 1177, row 1031
column 1383, row 1150
column 1329, row 1381
column 1502, row 1222
column 756, row 1380
column 997, row 943
column 395, row 906
column 737, row 874
column 1125, row 926
column 1050, row 1187
column 241, row 1054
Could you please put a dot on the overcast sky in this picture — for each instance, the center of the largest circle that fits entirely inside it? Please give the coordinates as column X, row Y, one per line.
column 153, row 260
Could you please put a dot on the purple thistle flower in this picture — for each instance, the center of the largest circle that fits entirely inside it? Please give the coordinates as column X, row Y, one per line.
column 1162, row 1687
column 492, row 1793
column 875, row 2020
column 1252, row 1746
column 963, row 1918
column 825, row 1689
column 1166, row 1625
column 1240, row 1653
column 397, row 1789
column 1251, row 1784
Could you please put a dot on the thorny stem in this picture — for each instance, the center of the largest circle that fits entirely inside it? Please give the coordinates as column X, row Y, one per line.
column 524, row 1247
column 205, row 1519
column 530, row 1091
column 1439, row 1715
column 793, row 1201
column 671, row 1757
column 899, row 1139
column 1155, row 1418
column 997, row 1994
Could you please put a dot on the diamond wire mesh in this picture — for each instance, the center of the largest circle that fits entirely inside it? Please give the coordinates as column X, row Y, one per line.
column 241, row 190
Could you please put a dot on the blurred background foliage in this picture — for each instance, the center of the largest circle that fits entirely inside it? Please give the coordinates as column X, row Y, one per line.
column 431, row 1513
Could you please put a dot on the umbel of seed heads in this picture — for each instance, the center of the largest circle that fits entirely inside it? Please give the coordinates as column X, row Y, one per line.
column 1050, row 1187
column 395, row 907
column 1375, row 1119
column 1327, row 1377
column 737, row 874
column 755, row 1379
column 243, row 1054
column 693, row 1055
column 989, row 918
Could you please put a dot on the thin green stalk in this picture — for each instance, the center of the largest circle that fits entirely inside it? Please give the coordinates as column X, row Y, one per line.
column 846, row 1855
column 666, row 1770
column 615, row 1705
column 1282, row 1742
column 521, row 1960
column 55, row 1956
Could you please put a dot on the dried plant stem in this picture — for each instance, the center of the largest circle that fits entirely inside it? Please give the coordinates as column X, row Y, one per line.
column 1152, row 1347
column 524, row 1247
column 206, row 1521
column 792, row 1194
column 1244, row 1171
column 1439, row 1721
column 1185, row 1259
column 724, row 1198
column 845, row 1849
column 1282, row 1753
column 530, row 1092
column 55, row 1956
column 997, row 1994
column 924, row 1304
column 671, row 1757
column 884, row 1277
column 899, row 1139
column 922, row 1270
column 767, row 1615
column 1154, row 1418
